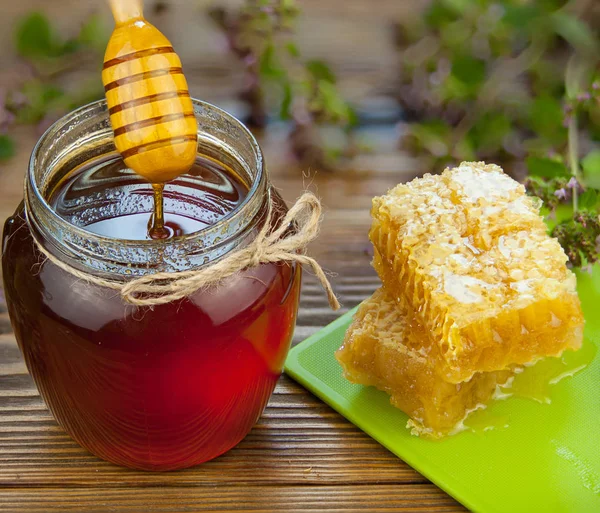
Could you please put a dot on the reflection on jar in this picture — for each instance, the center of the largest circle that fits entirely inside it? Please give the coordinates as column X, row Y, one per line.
column 152, row 388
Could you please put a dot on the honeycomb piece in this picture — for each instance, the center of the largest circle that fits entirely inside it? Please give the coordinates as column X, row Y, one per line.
column 384, row 348
column 468, row 254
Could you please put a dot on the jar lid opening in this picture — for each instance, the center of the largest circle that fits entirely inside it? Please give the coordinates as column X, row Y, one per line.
column 86, row 135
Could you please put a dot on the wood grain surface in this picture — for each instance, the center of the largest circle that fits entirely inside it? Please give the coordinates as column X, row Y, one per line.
column 302, row 455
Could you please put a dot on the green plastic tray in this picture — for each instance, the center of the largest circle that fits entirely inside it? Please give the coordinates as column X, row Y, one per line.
column 547, row 459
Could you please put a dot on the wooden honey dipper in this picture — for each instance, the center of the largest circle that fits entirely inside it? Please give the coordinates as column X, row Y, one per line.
column 149, row 103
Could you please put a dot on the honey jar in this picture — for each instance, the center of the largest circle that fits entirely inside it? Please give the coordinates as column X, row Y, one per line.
column 157, row 387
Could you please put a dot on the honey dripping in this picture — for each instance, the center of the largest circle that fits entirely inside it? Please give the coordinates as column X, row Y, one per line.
column 535, row 382
column 156, row 226
column 150, row 108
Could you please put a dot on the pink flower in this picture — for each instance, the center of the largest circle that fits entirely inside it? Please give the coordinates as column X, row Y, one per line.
column 583, row 97
column 561, row 194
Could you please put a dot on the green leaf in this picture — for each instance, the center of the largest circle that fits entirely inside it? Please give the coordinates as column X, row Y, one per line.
column 453, row 89
column 464, row 150
column 333, row 154
column 93, row 34
column 335, row 107
column 521, row 16
column 591, row 169
column 352, row 117
column 546, row 168
column 286, row 102
column 320, row 71
column 292, row 49
column 578, row 74
column 469, row 70
column 490, row 130
column 34, row 37
column 545, row 79
column 439, row 14
column 70, row 46
column 563, row 212
column 588, row 199
column 269, row 66
column 546, row 118
column 575, row 31
column 7, row 147
column 458, row 6
column 551, row 5
column 41, row 99
column 433, row 136
column 455, row 36
column 591, row 163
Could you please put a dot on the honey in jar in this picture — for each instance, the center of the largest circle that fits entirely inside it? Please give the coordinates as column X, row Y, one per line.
column 162, row 387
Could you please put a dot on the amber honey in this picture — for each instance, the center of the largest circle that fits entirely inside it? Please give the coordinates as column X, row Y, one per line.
column 152, row 388
column 109, row 199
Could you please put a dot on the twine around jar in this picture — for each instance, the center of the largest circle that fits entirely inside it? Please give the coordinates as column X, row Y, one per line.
column 270, row 245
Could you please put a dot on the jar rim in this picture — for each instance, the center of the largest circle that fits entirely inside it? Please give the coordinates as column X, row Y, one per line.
column 66, row 235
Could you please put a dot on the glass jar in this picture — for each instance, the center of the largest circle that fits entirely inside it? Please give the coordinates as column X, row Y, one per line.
column 151, row 388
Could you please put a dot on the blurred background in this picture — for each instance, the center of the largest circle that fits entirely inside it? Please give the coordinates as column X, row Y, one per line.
column 353, row 95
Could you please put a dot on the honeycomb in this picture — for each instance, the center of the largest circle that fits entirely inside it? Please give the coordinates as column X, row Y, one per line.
column 468, row 255
column 384, row 346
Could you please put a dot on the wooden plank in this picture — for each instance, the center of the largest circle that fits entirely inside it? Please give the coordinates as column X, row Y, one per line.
column 371, row 497
column 296, row 432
